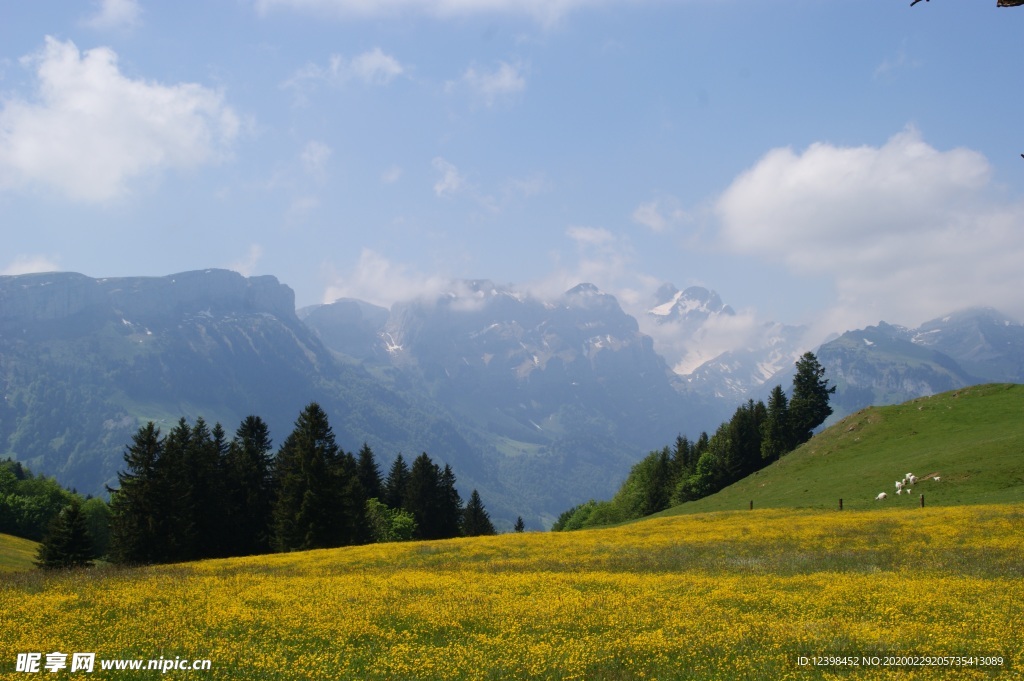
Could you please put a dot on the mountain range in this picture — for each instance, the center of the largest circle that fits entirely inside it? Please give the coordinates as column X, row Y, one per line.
column 538, row 404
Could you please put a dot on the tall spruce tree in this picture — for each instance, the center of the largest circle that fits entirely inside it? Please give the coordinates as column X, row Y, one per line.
column 476, row 521
column 396, row 484
column 776, row 434
column 808, row 406
column 68, row 543
column 423, row 497
column 308, row 510
column 520, row 526
column 450, row 510
column 206, row 493
column 354, row 527
column 369, row 473
column 138, row 522
column 176, row 493
column 250, row 487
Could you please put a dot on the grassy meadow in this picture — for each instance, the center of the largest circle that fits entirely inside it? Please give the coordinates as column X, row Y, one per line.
column 732, row 595
column 16, row 553
column 972, row 438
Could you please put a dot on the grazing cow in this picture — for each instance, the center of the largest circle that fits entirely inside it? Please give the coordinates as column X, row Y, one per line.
column 881, row 496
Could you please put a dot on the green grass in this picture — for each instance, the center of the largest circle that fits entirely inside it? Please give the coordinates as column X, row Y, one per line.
column 17, row 554
column 973, row 438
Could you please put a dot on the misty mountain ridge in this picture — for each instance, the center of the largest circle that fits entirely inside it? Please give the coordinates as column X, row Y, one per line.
column 540, row 404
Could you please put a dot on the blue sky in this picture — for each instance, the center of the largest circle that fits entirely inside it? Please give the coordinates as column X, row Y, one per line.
column 815, row 161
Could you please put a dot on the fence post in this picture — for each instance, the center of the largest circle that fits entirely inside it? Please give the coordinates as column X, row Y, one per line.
column 752, row 503
column 840, row 504
column 922, row 501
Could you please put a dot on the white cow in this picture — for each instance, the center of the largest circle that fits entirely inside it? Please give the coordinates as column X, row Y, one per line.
column 881, row 496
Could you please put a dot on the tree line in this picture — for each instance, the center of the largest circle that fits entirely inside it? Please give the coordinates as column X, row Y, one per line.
column 755, row 436
column 194, row 494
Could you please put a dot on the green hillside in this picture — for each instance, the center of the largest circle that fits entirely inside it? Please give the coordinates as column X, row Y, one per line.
column 973, row 438
column 16, row 553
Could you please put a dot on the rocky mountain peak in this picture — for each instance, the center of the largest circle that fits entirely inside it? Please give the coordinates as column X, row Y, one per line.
column 694, row 304
column 59, row 295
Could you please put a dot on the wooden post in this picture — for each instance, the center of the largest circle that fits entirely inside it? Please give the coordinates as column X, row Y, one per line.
column 922, row 501
column 752, row 504
column 840, row 504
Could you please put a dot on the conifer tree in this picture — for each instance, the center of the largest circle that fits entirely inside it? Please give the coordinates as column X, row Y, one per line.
column 682, row 463
column 67, row 544
column 475, row 519
column 354, row 528
column 657, row 487
column 369, row 473
column 309, row 503
column 174, row 483
column 423, row 498
column 450, row 509
column 207, row 494
column 775, row 431
column 138, row 526
column 250, row 487
column 396, row 484
column 520, row 526
column 808, row 406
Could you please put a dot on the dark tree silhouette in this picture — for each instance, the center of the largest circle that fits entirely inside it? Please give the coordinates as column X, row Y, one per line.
column 67, row 544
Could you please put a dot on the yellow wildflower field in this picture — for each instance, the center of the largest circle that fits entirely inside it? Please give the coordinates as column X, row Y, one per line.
column 775, row 594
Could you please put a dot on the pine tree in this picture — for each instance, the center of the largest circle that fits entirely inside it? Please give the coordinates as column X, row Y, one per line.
column 369, row 473
column 354, row 527
column 682, row 462
column 250, row 487
column 475, row 520
column 396, row 484
column 423, row 497
column 657, row 485
column 450, row 511
column 68, row 543
column 207, row 494
column 744, row 450
column 520, row 526
column 138, row 527
column 775, row 431
column 309, row 509
column 175, row 494
column 808, row 407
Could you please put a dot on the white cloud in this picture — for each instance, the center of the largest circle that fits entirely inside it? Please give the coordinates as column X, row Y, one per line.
column 113, row 14
column 599, row 257
column 391, row 175
column 451, row 181
column 591, row 236
column 373, row 68
column 29, row 264
column 546, row 12
column 90, row 129
column 659, row 214
column 906, row 231
column 246, row 266
column 377, row 280
column 490, row 86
